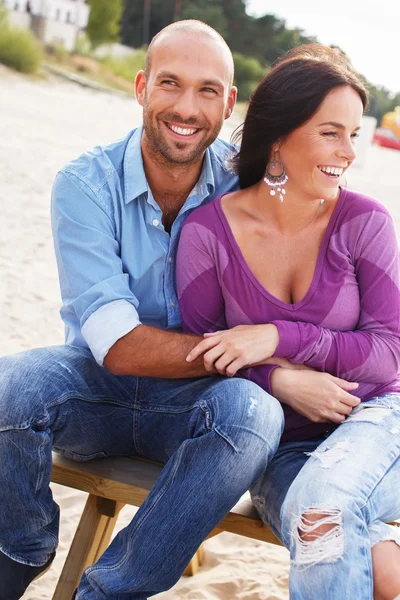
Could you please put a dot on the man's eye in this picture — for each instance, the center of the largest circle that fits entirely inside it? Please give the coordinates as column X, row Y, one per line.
column 168, row 82
column 355, row 135
column 209, row 90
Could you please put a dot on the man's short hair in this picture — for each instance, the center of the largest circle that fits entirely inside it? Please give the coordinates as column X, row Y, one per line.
column 191, row 26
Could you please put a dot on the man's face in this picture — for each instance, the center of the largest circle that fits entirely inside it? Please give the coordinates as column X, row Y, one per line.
column 185, row 98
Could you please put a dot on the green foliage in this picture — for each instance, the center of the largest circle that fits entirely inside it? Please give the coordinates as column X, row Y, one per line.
column 19, row 49
column 58, row 51
column 3, row 16
column 248, row 72
column 263, row 39
column 83, row 46
column 381, row 101
column 128, row 66
column 104, row 21
column 209, row 12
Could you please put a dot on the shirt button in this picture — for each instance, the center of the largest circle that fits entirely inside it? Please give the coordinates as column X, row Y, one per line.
column 170, row 260
column 172, row 304
column 156, row 222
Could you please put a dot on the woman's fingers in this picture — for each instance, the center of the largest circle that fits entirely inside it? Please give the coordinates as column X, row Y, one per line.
column 337, row 418
column 234, row 367
column 201, row 348
column 343, row 384
column 223, row 362
column 211, row 357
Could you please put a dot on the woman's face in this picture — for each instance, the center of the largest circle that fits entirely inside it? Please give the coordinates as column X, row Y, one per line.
column 316, row 154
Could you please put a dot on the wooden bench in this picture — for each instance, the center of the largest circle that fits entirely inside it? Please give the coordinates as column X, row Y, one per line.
column 111, row 483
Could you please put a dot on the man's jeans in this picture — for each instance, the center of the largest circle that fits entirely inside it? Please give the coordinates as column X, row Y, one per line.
column 353, row 477
column 216, row 436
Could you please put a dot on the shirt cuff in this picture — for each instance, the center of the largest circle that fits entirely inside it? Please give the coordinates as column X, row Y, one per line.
column 289, row 339
column 108, row 324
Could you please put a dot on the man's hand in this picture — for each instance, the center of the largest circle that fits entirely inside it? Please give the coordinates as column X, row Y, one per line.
column 318, row 396
column 229, row 351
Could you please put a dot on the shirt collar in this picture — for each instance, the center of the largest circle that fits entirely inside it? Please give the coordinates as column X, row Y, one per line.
column 135, row 177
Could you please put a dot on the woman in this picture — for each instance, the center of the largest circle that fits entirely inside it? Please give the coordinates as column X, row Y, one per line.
column 295, row 271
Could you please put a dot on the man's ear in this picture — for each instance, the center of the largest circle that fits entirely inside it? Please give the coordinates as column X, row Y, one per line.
column 231, row 102
column 140, row 87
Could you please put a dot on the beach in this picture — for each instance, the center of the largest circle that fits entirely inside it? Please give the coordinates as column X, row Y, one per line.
column 44, row 123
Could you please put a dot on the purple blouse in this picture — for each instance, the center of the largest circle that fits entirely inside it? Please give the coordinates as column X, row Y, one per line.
column 347, row 324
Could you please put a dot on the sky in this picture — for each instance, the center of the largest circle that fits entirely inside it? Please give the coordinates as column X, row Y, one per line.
column 367, row 30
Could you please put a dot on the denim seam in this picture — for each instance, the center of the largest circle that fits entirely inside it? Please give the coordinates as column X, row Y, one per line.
column 93, row 400
column 145, row 514
column 42, row 459
column 163, row 409
column 136, row 418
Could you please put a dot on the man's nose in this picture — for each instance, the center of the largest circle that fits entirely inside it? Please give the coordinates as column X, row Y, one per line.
column 187, row 105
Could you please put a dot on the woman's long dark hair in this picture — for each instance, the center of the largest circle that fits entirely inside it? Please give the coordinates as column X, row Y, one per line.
column 286, row 98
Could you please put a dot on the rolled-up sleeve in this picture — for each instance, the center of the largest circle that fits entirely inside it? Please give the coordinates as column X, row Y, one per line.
column 95, row 289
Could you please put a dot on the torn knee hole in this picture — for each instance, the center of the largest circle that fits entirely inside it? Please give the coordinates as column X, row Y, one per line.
column 319, row 536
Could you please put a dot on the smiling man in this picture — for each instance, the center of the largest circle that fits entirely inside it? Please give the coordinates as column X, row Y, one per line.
column 120, row 385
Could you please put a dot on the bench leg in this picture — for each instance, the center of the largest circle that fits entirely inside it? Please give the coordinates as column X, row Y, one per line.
column 90, row 541
column 198, row 558
column 195, row 563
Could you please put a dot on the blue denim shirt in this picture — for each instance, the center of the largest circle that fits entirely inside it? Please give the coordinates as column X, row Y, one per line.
column 116, row 262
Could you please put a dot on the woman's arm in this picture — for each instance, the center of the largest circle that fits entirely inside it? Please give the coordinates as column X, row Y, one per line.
column 371, row 353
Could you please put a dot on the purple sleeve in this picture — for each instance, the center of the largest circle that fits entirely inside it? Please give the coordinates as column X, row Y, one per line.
column 371, row 353
column 200, row 295
column 201, row 301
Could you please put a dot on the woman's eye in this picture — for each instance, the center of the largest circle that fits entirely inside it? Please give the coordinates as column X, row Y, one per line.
column 355, row 135
column 329, row 133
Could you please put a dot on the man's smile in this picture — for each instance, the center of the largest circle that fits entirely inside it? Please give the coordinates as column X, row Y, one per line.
column 181, row 131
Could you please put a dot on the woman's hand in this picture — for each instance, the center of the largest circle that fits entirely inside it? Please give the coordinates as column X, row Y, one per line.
column 233, row 349
column 318, row 396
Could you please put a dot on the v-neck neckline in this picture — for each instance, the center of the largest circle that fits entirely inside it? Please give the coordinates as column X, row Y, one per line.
column 318, row 267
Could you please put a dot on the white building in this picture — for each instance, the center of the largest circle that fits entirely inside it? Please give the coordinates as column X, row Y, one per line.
column 53, row 21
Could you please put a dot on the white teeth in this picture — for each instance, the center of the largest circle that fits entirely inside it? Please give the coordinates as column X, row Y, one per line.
column 181, row 130
column 332, row 170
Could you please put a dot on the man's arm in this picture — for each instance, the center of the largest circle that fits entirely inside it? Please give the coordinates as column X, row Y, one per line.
column 150, row 352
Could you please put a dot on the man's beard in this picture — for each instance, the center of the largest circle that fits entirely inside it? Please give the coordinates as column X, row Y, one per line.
column 174, row 152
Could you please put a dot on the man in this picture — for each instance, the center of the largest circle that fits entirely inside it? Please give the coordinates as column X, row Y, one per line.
column 121, row 385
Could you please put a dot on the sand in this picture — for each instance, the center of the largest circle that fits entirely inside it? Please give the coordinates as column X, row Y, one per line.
column 43, row 124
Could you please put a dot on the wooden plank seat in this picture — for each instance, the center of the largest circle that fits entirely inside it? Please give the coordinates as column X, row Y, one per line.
column 111, row 483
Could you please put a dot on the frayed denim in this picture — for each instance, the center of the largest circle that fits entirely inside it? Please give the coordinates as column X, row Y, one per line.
column 351, row 480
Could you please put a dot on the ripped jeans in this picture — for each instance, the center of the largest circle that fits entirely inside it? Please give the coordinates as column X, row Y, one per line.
column 351, row 478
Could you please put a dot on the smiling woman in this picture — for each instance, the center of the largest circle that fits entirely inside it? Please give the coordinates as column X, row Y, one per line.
column 297, row 290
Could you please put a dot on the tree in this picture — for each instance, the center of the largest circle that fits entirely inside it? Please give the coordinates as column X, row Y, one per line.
column 209, row 12
column 104, row 21
column 248, row 73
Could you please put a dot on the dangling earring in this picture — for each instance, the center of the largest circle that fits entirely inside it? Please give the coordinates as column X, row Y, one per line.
column 276, row 180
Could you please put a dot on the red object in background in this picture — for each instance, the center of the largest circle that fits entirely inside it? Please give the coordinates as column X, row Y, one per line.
column 386, row 138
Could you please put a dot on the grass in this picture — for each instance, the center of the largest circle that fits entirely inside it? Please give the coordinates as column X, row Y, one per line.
column 126, row 67
column 19, row 48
